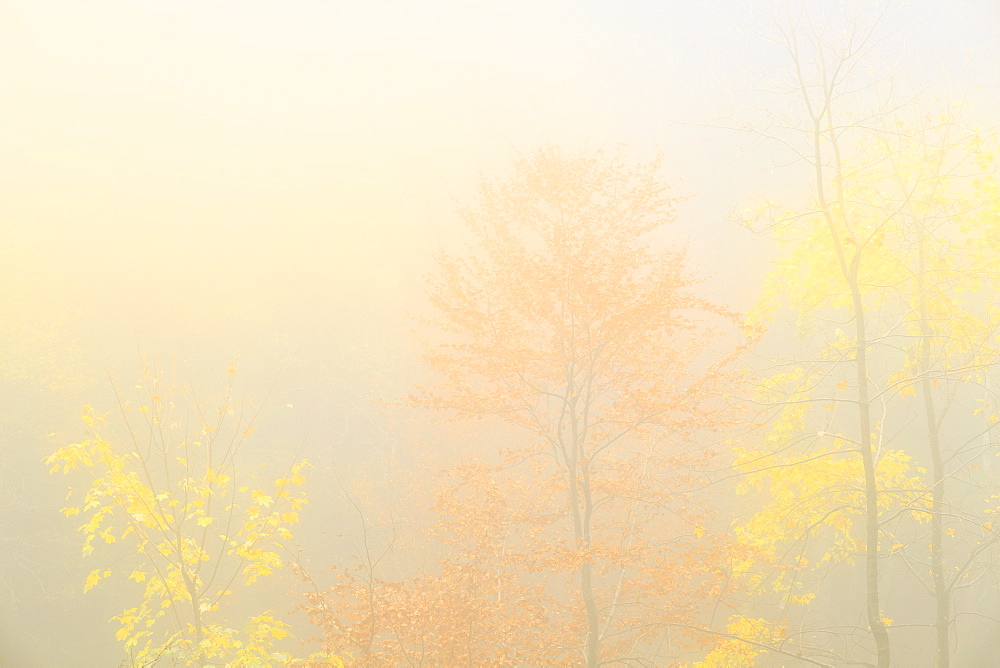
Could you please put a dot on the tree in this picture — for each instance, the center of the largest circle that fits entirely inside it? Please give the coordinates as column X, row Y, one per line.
column 196, row 525
column 881, row 277
column 466, row 612
column 566, row 319
column 934, row 173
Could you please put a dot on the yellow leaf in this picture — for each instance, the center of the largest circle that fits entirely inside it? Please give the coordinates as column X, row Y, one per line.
column 138, row 576
column 205, row 521
column 70, row 511
column 92, row 579
column 261, row 498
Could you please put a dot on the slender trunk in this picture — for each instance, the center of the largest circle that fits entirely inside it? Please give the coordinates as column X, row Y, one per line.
column 879, row 631
column 192, row 590
column 942, row 597
column 199, row 633
column 581, row 525
column 850, row 272
column 586, row 577
column 579, row 485
column 593, row 630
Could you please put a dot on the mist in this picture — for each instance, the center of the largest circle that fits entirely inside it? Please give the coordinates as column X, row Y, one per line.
column 311, row 263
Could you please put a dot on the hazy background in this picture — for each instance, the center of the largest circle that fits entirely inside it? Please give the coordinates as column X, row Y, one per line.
column 271, row 179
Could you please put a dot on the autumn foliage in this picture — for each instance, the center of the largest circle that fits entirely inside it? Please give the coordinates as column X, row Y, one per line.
column 602, row 408
column 568, row 318
column 605, row 409
column 194, row 525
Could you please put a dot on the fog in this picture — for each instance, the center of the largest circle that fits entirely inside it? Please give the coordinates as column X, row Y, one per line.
column 278, row 187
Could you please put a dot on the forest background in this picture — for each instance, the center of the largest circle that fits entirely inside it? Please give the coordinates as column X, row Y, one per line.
column 187, row 185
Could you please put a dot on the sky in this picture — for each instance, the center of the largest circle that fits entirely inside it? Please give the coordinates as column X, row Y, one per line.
column 327, row 142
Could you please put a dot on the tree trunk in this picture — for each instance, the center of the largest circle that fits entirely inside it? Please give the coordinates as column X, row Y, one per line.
column 942, row 596
column 850, row 272
column 878, row 628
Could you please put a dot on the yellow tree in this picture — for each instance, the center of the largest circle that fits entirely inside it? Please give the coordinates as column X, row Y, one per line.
column 567, row 318
column 878, row 273
column 163, row 482
column 934, row 174
column 839, row 249
column 932, row 336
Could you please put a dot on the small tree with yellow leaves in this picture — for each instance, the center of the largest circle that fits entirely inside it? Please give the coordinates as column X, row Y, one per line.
column 164, row 481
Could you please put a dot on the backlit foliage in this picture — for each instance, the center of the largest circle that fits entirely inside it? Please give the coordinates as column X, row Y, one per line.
column 166, row 496
column 745, row 640
column 907, row 222
column 568, row 317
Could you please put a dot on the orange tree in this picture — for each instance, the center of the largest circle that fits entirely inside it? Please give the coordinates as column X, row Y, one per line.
column 470, row 608
column 566, row 318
